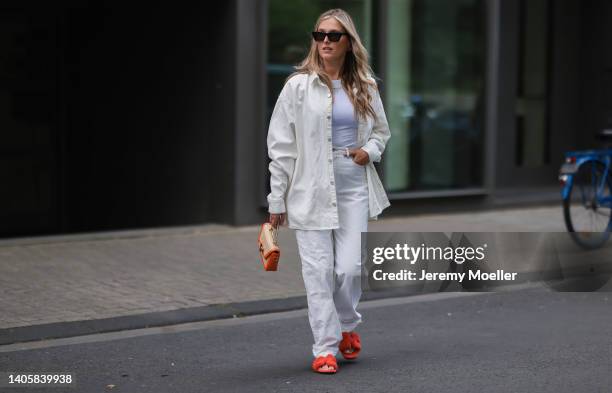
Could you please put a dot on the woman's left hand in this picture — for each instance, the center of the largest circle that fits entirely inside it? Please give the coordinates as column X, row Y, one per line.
column 360, row 156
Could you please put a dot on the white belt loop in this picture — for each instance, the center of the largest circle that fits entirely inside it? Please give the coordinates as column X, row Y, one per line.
column 347, row 151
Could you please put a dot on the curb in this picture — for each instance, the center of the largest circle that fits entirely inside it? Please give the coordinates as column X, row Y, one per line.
column 21, row 334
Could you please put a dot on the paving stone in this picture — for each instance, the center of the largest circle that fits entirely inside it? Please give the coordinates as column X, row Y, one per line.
column 92, row 276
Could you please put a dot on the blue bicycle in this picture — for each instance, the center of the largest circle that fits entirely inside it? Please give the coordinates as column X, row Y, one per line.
column 587, row 194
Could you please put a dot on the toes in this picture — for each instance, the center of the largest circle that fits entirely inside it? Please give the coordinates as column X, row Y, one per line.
column 326, row 368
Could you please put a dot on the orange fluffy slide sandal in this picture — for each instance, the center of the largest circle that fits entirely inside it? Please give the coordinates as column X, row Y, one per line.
column 350, row 346
column 329, row 360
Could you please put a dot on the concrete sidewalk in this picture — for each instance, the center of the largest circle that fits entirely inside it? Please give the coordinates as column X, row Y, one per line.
column 49, row 281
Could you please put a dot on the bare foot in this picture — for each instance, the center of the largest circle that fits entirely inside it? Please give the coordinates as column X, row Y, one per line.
column 325, row 367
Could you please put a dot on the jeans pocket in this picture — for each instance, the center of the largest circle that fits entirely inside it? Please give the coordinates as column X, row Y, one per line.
column 355, row 163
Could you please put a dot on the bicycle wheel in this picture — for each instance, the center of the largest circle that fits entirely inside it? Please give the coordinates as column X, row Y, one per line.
column 587, row 219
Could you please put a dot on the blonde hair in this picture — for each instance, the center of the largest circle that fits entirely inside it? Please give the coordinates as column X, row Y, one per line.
column 355, row 70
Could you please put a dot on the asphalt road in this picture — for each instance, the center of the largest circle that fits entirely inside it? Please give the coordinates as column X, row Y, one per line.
column 521, row 341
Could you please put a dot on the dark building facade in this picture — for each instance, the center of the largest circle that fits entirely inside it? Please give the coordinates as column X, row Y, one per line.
column 124, row 116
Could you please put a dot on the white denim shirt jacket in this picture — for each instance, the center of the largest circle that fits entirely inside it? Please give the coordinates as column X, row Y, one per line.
column 300, row 148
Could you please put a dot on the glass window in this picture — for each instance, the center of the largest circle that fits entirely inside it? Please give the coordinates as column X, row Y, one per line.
column 290, row 24
column 289, row 27
column 532, row 90
column 434, row 92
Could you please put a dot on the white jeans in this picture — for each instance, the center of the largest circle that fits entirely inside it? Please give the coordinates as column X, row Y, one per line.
column 332, row 260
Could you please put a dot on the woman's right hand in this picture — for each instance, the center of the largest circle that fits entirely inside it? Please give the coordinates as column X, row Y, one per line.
column 277, row 219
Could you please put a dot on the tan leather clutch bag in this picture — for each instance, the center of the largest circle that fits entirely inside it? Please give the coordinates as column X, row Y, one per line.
column 268, row 247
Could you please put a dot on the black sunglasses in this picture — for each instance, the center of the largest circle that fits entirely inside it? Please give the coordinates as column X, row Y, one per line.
column 333, row 36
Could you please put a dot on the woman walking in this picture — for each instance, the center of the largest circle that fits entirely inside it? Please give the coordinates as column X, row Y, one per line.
column 326, row 130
